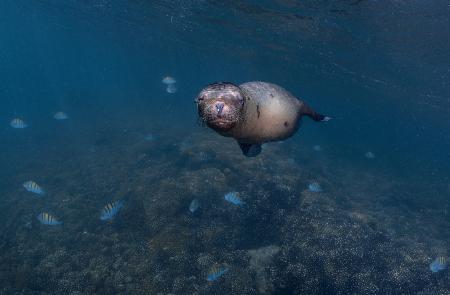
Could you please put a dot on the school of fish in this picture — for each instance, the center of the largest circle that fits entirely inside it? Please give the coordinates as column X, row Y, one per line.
column 111, row 209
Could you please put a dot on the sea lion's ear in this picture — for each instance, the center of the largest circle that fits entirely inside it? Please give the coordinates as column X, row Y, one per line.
column 250, row 150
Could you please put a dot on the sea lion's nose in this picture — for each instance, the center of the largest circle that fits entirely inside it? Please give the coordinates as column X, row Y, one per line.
column 219, row 108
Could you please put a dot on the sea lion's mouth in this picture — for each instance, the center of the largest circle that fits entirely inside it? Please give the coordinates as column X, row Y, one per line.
column 218, row 115
column 221, row 124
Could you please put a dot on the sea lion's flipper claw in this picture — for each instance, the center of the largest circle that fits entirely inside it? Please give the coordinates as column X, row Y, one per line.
column 250, row 150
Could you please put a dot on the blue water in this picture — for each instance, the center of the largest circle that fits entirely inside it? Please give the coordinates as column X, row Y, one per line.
column 380, row 69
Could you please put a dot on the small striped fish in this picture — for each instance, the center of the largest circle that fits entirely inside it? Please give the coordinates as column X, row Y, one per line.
column 317, row 148
column 194, row 205
column 60, row 116
column 216, row 272
column 438, row 264
column 48, row 219
column 33, row 187
column 150, row 137
column 171, row 88
column 168, row 80
column 233, row 198
column 111, row 209
column 314, row 187
column 18, row 123
column 369, row 155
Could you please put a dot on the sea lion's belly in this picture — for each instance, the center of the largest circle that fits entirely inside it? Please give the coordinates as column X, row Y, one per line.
column 271, row 113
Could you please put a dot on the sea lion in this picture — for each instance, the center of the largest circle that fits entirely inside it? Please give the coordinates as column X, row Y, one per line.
column 253, row 113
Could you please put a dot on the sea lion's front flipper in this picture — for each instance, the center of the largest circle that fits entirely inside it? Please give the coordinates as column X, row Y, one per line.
column 306, row 110
column 250, row 150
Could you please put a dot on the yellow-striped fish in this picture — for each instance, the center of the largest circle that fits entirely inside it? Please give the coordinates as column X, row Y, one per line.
column 440, row 263
column 111, row 209
column 33, row 187
column 48, row 219
column 216, row 272
column 60, row 116
column 171, row 88
column 168, row 80
column 18, row 123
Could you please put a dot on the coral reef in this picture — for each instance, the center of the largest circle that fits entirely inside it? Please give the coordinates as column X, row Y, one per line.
column 260, row 259
column 365, row 233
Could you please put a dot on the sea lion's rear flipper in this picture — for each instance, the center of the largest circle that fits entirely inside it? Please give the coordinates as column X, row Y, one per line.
column 250, row 150
column 306, row 110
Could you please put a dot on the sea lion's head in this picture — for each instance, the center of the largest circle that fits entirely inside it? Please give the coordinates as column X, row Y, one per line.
column 220, row 105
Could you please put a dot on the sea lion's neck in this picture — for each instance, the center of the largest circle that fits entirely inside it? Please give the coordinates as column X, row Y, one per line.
column 246, row 121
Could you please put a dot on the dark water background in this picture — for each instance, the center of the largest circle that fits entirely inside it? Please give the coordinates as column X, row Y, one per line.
column 381, row 69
